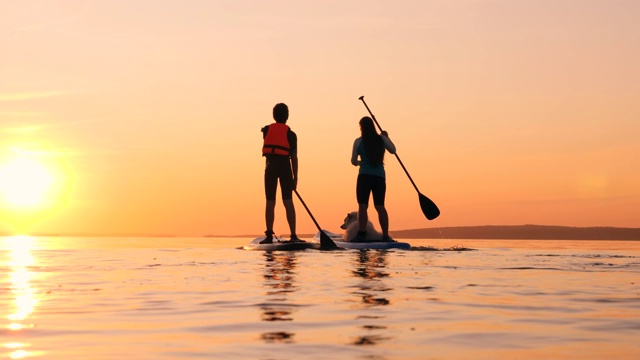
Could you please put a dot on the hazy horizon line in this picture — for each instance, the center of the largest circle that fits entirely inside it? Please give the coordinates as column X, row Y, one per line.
column 395, row 233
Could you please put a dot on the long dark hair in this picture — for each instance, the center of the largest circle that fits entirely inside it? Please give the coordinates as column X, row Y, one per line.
column 373, row 144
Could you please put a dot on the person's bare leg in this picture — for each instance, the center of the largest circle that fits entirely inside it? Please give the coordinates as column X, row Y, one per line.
column 291, row 216
column 383, row 218
column 269, row 214
column 362, row 217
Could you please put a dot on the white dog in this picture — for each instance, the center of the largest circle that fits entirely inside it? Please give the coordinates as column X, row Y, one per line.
column 350, row 228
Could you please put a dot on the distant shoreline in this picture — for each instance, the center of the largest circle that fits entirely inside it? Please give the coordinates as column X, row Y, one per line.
column 521, row 232
column 490, row 232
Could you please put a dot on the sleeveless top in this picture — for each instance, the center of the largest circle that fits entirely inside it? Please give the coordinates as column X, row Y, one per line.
column 365, row 166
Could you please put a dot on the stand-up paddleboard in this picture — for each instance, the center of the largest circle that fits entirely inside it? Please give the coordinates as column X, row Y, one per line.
column 341, row 243
column 281, row 244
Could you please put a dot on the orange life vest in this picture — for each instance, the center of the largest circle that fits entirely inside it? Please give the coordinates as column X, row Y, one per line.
column 276, row 142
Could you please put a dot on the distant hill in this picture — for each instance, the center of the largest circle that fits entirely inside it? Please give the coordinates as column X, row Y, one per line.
column 526, row 232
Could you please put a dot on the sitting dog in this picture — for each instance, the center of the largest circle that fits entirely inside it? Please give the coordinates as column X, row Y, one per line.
column 350, row 228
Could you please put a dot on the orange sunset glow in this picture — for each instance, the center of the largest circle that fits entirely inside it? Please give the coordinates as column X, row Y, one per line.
column 144, row 117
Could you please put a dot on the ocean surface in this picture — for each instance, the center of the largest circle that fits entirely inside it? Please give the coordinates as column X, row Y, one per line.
column 204, row 298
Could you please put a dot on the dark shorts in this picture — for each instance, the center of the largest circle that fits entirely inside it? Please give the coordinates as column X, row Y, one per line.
column 278, row 168
column 370, row 184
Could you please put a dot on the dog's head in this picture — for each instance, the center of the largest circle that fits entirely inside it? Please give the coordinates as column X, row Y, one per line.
column 349, row 219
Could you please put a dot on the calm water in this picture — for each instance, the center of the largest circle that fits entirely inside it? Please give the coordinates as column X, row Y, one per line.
column 202, row 298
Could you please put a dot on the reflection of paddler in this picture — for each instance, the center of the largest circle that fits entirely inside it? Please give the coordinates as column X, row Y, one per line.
column 279, row 275
column 370, row 264
column 369, row 267
column 280, row 272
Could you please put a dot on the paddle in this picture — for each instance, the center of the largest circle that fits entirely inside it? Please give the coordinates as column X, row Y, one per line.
column 325, row 241
column 429, row 208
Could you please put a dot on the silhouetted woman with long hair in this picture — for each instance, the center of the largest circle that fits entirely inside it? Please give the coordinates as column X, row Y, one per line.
column 370, row 148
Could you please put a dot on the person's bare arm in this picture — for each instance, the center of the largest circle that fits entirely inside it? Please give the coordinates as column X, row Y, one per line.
column 354, row 152
column 388, row 144
column 294, row 168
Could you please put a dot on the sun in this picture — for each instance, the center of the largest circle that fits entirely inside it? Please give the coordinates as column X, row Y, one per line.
column 24, row 182
column 36, row 183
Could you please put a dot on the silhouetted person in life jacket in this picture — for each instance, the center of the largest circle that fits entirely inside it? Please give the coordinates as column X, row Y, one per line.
column 280, row 149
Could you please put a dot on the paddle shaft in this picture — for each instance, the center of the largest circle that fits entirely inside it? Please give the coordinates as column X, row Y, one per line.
column 325, row 241
column 307, row 208
column 396, row 154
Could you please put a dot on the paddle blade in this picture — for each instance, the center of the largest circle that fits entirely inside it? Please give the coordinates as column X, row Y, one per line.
column 429, row 208
column 326, row 243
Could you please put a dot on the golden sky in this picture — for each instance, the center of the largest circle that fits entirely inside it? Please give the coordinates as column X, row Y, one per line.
column 146, row 114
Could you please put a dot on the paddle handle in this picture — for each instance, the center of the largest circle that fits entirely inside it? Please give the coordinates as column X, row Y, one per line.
column 396, row 154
